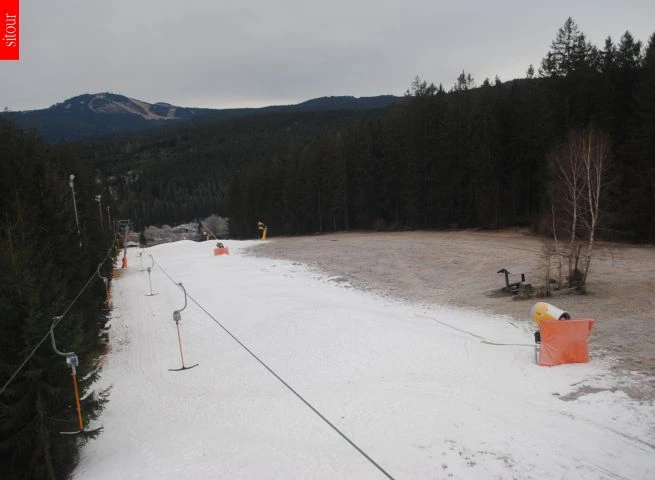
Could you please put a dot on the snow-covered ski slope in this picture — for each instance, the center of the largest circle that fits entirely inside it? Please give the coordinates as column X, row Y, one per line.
column 415, row 388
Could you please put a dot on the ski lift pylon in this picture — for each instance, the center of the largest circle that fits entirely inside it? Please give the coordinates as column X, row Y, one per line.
column 71, row 361
column 105, row 280
column 177, row 318
column 149, row 269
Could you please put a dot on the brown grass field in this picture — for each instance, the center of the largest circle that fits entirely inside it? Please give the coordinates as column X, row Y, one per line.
column 459, row 268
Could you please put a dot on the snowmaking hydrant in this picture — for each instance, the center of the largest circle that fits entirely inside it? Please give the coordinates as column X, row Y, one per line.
column 263, row 229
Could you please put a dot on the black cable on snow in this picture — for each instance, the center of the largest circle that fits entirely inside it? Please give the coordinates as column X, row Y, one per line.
column 482, row 339
column 281, row 380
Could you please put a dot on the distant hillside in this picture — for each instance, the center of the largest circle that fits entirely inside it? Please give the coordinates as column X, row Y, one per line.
column 346, row 103
column 102, row 114
column 177, row 174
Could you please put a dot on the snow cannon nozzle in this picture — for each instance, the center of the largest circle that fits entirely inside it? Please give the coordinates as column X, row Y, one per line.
column 545, row 311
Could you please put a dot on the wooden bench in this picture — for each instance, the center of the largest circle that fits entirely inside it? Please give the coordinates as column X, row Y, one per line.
column 514, row 270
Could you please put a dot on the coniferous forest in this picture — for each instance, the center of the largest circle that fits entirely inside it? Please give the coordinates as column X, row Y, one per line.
column 471, row 154
column 47, row 270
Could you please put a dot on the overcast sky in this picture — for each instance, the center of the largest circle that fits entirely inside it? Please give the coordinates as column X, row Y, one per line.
column 219, row 54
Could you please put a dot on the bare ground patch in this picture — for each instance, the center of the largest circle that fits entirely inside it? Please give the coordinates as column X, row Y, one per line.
column 459, row 269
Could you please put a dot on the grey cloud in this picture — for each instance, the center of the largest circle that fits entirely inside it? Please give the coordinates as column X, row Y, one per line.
column 218, row 53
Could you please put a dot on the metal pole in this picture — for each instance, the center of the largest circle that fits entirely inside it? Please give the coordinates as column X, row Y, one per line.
column 150, row 281
column 77, row 400
column 104, row 279
column 179, row 341
column 77, row 222
column 71, row 361
column 99, row 200
column 125, row 247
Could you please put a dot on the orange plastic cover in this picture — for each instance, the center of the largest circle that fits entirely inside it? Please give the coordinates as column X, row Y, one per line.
column 222, row 251
column 565, row 341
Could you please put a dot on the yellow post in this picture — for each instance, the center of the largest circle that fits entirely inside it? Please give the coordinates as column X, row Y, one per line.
column 262, row 228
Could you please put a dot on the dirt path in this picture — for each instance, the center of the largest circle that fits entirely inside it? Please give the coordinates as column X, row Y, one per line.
column 459, row 269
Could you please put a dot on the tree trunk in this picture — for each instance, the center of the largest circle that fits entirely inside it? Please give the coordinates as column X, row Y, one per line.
column 557, row 252
column 48, row 462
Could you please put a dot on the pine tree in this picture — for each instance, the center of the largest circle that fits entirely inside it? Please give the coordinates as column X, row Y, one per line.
column 628, row 53
column 569, row 52
column 608, row 56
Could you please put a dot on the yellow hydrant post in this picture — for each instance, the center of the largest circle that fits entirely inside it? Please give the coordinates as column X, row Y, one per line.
column 262, row 228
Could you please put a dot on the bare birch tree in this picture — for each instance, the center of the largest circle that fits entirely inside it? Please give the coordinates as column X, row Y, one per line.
column 578, row 171
column 556, row 251
column 567, row 191
column 595, row 159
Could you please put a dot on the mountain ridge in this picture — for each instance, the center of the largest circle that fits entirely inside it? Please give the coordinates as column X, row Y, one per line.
column 97, row 114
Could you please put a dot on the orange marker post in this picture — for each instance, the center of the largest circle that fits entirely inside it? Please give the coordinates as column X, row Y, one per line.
column 77, row 401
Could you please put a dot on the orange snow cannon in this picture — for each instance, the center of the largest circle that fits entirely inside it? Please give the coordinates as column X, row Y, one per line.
column 221, row 250
column 560, row 339
column 564, row 342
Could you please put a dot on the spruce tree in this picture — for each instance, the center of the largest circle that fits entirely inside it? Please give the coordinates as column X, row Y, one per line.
column 569, row 52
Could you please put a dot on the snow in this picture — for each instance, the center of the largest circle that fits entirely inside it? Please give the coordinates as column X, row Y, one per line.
column 422, row 390
column 143, row 109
